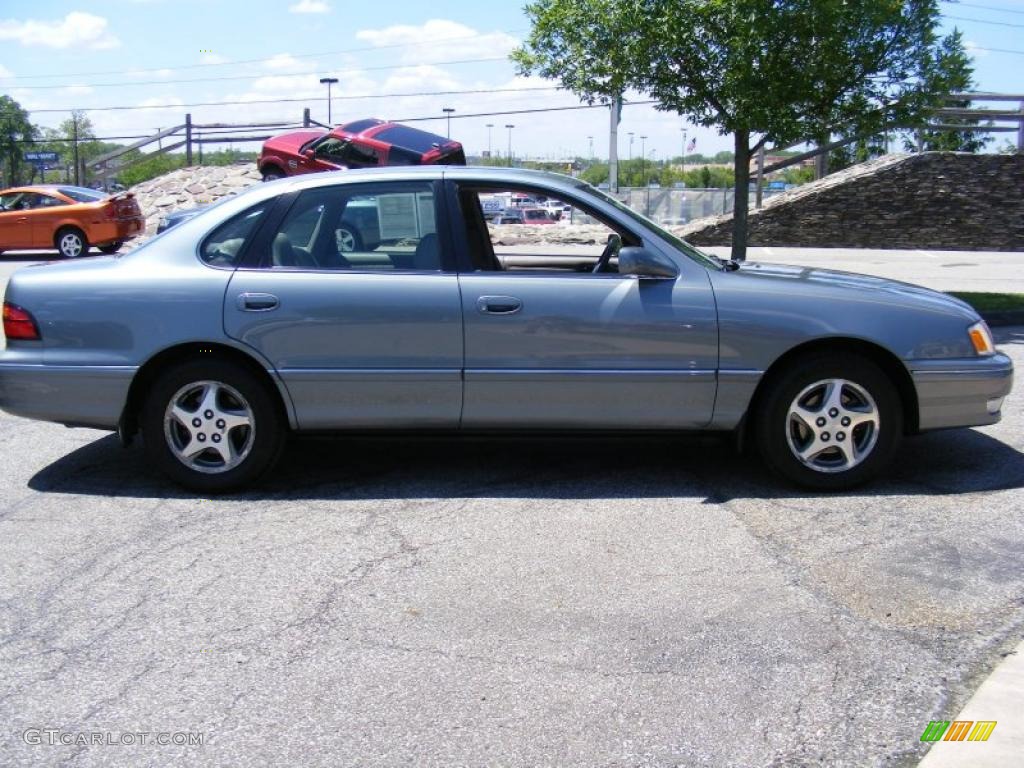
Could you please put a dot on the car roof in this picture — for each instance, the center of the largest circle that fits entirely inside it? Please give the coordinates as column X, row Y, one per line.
column 478, row 173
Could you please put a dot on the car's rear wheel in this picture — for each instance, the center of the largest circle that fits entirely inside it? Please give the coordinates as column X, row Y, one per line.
column 270, row 173
column 829, row 422
column 111, row 247
column 212, row 425
column 71, row 242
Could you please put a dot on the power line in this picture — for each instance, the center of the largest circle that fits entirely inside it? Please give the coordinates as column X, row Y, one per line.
column 292, row 100
column 994, row 50
column 397, row 120
column 273, row 58
column 984, row 21
column 984, row 7
column 255, row 76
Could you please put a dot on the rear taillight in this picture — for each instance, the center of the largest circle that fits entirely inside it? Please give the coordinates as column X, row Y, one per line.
column 19, row 323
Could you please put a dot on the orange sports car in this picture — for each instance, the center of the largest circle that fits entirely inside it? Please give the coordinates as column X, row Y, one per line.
column 70, row 219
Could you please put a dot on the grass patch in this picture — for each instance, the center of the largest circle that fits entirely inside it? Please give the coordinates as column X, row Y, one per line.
column 992, row 302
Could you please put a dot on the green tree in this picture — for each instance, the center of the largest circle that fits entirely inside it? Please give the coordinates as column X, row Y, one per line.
column 763, row 70
column 952, row 72
column 16, row 135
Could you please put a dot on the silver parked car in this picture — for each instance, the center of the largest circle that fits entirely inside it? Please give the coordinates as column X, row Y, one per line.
column 263, row 315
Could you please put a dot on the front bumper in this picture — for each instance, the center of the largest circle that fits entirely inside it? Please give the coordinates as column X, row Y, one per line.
column 961, row 393
column 86, row 396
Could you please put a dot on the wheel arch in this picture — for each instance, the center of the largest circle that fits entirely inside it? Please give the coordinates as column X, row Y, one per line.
column 885, row 359
column 147, row 373
column 272, row 163
column 70, row 224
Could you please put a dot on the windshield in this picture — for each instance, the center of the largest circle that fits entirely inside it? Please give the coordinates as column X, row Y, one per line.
column 707, row 259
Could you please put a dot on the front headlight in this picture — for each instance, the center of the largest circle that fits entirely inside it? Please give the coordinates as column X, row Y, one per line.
column 981, row 338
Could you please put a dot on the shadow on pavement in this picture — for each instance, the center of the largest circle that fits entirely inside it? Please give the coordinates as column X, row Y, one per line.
column 950, row 462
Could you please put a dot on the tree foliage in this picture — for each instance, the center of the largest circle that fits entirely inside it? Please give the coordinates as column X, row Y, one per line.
column 776, row 71
column 953, row 72
column 16, row 131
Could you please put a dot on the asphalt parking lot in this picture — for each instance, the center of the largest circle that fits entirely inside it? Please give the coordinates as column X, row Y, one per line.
column 503, row 602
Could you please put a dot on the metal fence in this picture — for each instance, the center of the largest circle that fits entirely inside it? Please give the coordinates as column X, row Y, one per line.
column 679, row 206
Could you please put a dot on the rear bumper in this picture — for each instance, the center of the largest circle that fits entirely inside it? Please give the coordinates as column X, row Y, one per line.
column 86, row 396
column 112, row 231
column 961, row 393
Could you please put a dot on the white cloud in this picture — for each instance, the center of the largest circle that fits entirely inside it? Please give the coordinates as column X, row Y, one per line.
column 77, row 29
column 5, row 72
column 79, row 89
column 439, row 40
column 283, row 62
column 213, row 58
column 310, row 6
column 974, row 49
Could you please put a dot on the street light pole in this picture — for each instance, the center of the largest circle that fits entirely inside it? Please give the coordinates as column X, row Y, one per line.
column 684, row 150
column 643, row 160
column 448, row 111
column 489, row 127
column 591, row 155
column 328, row 81
column 510, row 127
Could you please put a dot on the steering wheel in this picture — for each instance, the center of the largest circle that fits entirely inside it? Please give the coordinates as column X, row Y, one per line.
column 613, row 247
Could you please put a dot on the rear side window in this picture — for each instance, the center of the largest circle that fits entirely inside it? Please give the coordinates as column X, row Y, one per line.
column 224, row 245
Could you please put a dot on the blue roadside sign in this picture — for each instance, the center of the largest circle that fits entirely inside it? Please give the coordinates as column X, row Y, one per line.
column 42, row 157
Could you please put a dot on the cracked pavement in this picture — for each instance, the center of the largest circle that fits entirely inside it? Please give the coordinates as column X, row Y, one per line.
column 593, row 602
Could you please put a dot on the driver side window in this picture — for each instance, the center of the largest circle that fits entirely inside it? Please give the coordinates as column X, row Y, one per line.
column 526, row 231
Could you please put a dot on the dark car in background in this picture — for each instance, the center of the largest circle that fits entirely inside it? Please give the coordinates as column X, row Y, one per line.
column 359, row 144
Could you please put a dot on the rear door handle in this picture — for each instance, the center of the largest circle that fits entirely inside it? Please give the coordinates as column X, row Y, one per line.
column 498, row 305
column 257, row 302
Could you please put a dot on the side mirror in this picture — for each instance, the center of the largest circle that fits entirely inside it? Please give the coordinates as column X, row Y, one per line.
column 645, row 264
column 309, row 153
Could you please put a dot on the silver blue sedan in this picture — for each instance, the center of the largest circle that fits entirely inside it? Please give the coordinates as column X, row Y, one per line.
column 379, row 300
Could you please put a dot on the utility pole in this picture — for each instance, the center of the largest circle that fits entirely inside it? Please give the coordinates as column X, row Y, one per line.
column 684, row 150
column 591, row 155
column 74, row 138
column 643, row 160
column 448, row 112
column 613, row 145
column 490, row 126
column 510, row 127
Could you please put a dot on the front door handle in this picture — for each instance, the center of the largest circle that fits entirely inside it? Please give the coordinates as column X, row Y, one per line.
column 257, row 302
column 498, row 305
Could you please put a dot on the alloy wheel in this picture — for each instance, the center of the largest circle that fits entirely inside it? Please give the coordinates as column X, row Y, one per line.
column 832, row 425
column 209, row 427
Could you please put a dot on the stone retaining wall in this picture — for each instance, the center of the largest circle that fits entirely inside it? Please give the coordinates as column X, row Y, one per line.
column 935, row 200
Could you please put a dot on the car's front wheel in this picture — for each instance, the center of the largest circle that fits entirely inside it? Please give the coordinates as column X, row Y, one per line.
column 829, row 422
column 212, row 425
column 270, row 173
column 71, row 242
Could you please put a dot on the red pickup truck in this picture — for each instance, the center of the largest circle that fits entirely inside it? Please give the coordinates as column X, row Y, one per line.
column 359, row 144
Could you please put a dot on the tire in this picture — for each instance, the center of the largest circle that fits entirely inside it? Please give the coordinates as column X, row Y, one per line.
column 272, row 173
column 71, row 242
column 348, row 239
column 231, row 456
column 823, row 446
column 111, row 247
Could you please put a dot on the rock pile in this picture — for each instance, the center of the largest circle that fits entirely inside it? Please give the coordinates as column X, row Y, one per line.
column 935, row 200
column 189, row 187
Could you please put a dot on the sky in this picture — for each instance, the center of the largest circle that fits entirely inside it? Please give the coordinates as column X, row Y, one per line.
column 172, row 56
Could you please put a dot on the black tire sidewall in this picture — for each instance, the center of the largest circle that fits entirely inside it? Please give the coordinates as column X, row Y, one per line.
column 111, row 247
column 771, row 419
column 270, row 427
